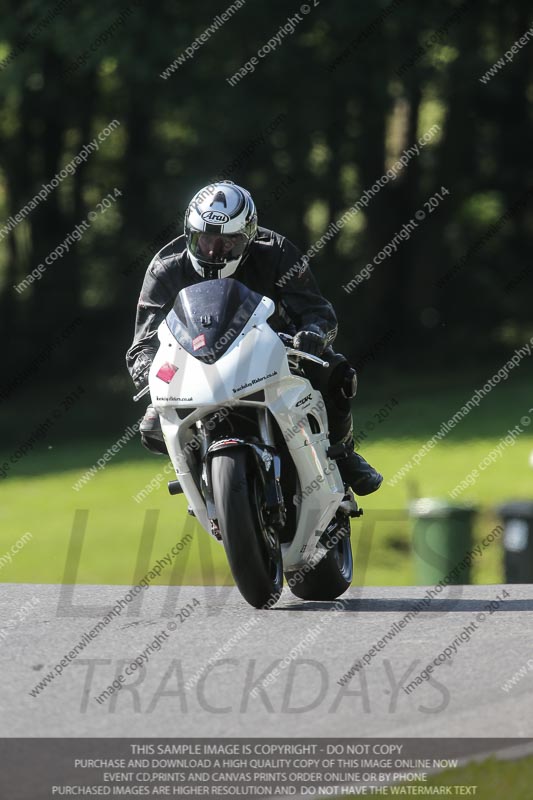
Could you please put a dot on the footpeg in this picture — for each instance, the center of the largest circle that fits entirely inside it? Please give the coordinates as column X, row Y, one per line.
column 336, row 451
column 174, row 487
column 350, row 507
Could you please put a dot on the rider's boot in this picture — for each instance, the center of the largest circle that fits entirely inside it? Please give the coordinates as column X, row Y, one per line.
column 355, row 470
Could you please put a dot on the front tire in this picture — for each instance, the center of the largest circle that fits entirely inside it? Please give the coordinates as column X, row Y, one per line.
column 252, row 547
column 332, row 576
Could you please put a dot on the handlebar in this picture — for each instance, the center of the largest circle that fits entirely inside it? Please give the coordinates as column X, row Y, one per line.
column 288, row 341
column 286, row 338
column 300, row 353
column 141, row 394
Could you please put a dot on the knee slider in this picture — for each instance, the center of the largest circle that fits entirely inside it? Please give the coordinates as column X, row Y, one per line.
column 343, row 382
column 349, row 383
column 342, row 387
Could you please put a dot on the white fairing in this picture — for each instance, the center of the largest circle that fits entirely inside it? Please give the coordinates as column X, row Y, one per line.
column 256, row 360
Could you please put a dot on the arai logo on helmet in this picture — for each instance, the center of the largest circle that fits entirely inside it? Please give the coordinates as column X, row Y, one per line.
column 216, row 217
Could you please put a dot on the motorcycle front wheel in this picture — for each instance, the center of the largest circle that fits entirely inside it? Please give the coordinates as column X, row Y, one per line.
column 252, row 547
column 332, row 576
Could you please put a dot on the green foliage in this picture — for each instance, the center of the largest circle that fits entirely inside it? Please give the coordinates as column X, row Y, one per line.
column 349, row 103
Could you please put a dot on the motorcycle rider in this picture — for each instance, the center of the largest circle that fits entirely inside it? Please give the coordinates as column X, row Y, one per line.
column 222, row 239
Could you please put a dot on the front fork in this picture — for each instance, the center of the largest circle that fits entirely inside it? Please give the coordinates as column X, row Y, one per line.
column 265, row 428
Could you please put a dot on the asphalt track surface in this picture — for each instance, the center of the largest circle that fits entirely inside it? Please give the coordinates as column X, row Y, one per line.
column 463, row 699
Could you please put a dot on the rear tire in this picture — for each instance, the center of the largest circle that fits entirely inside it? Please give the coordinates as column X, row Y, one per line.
column 252, row 547
column 331, row 577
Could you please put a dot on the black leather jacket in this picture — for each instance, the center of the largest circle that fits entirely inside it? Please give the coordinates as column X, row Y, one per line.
column 273, row 267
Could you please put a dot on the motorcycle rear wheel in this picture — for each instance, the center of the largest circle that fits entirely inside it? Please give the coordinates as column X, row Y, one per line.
column 252, row 547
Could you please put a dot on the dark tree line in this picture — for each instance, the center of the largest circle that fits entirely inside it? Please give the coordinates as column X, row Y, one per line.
column 320, row 119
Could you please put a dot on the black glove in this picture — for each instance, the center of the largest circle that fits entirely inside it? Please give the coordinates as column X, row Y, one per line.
column 140, row 371
column 310, row 341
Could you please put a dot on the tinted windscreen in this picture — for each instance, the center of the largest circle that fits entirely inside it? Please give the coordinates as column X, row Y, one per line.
column 208, row 316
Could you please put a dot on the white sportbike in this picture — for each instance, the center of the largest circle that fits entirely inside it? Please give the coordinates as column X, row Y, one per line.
column 247, row 436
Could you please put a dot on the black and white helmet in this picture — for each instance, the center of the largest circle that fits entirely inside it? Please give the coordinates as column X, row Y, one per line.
column 220, row 225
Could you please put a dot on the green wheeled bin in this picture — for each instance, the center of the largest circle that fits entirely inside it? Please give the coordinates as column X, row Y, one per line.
column 442, row 537
column 517, row 519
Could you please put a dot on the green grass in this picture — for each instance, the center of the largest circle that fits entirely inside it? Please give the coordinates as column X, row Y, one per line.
column 493, row 778
column 38, row 495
